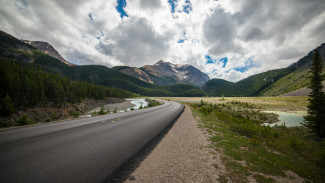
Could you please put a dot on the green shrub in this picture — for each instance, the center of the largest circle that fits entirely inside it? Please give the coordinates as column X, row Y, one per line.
column 73, row 113
column 152, row 103
column 54, row 116
column 6, row 106
column 24, row 120
column 101, row 112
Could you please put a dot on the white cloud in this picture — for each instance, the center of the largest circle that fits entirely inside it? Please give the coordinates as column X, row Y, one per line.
column 273, row 33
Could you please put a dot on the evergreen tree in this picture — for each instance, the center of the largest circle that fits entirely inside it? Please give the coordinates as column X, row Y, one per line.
column 101, row 112
column 316, row 108
column 6, row 106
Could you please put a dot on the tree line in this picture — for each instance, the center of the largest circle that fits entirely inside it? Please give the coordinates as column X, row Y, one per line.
column 28, row 85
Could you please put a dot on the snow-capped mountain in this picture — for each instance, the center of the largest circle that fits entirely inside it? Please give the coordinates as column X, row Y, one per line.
column 167, row 73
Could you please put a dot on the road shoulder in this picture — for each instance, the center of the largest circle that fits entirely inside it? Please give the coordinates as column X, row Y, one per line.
column 183, row 155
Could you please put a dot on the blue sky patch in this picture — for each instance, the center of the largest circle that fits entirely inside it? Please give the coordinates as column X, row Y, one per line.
column 101, row 35
column 242, row 69
column 187, row 8
column 172, row 5
column 224, row 61
column 180, row 41
column 120, row 8
column 247, row 66
column 210, row 60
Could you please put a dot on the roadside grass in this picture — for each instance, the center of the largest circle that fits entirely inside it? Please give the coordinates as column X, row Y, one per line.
column 260, row 152
column 152, row 102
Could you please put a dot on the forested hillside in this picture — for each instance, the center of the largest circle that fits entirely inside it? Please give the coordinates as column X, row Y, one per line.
column 25, row 85
column 271, row 83
column 109, row 77
column 251, row 86
column 297, row 79
column 12, row 48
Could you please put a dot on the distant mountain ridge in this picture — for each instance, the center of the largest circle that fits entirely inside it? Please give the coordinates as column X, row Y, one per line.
column 162, row 78
column 26, row 55
column 48, row 49
column 166, row 73
column 270, row 83
column 298, row 78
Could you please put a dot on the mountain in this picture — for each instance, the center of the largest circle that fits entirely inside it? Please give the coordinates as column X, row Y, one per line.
column 270, row 83
column 296, row 79
column 302, row 91
column 137, row 73
column 48, row 49
column 166, row 73
column 13, row 49
column 251, row 86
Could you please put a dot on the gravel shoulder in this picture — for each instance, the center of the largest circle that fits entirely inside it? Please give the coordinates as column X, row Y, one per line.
column 183, row 155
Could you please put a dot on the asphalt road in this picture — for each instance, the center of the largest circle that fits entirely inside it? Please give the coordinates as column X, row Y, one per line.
column 80, row 150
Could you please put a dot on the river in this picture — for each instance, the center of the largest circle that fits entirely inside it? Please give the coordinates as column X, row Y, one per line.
column 289, row 119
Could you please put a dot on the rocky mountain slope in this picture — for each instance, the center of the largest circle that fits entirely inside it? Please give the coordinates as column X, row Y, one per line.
column 302, row 91
column 48, row 49
column 167, row 73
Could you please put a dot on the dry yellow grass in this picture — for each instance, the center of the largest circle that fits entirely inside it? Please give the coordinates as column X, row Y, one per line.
column 263, row 103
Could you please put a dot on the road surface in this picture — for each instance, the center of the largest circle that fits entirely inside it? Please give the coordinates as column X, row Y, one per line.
column 80, row 150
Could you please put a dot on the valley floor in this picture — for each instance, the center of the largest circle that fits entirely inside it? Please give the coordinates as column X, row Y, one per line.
column 242, row 149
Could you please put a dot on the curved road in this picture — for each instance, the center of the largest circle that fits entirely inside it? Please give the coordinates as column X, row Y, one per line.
column 80, row 150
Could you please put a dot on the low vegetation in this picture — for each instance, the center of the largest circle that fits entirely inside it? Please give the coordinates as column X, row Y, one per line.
column 253, row 151
column 152, row 102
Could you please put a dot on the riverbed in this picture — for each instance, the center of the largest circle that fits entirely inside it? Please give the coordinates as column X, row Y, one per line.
column 126, row 105
column 289, row 119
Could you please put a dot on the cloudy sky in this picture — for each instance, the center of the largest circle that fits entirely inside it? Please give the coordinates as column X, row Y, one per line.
column 229, row 39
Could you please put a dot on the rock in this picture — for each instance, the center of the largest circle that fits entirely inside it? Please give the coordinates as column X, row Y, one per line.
column 131, row 177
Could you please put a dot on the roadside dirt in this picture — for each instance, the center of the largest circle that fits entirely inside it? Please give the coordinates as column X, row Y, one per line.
column 183, row 155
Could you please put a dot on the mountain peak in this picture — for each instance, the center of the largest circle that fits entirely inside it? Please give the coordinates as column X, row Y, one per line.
column 167, row 73
column 161, row 62
column 48, row 49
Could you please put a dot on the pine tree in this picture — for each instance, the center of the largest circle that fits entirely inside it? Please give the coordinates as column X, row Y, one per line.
column 316, row 108
column 6, row 107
